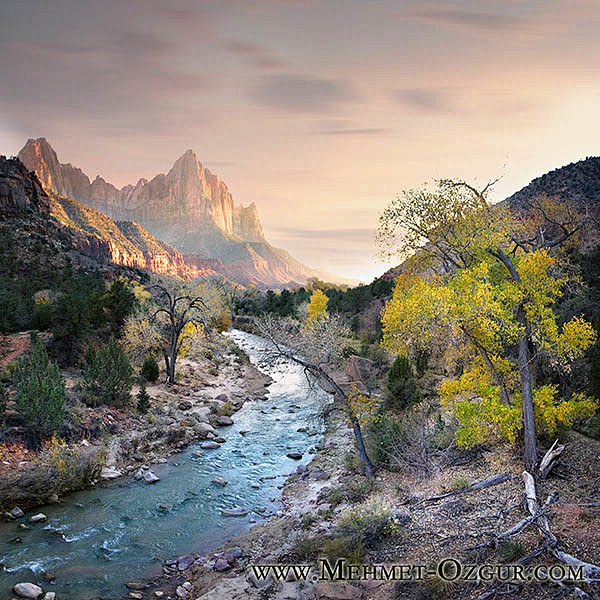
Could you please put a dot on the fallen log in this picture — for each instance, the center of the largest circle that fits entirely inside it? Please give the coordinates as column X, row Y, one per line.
column 550, row 458
column 480, row 485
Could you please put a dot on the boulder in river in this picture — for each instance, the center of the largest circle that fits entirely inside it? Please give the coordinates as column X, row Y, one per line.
column 223, row 421
column 28, row 590
column 220, row 482
column 16, row 513
column 108, row 473
column 39, row 518
column 209, row 445
column 295, row 455
column 234, row 512
column 150, row 477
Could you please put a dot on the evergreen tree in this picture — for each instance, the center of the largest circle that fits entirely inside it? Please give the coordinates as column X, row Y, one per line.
column 150, row 371
column 107, row 375
column 143, row 399
column 40, row 393
column 401, row 385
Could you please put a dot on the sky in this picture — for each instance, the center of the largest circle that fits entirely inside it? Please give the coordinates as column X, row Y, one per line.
column 319, row 111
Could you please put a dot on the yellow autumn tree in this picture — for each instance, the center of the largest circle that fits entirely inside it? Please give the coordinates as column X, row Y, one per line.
column 317, row 305
column 486, row 282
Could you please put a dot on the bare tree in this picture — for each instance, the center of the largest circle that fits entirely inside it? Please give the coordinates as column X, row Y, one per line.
column 317, row 348
column 182, row 305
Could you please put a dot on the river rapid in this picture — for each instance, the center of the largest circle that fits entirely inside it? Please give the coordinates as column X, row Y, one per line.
column 122, row 531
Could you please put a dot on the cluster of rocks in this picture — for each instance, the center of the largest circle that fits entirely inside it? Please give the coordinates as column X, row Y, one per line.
column 219, row 561
column 31, row 591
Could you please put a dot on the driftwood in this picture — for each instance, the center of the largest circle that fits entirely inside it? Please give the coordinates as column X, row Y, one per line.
column 480, row 485
column 550, row 458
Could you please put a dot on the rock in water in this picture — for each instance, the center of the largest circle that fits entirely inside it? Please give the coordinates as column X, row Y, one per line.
column 295, row 455
column 16, row 513
column 108, row 473
column 39, row 518
column 209, row 445
column 220, row 482
column 150, row 477
column 28, row 590
column 223, row 421
column 234, row 512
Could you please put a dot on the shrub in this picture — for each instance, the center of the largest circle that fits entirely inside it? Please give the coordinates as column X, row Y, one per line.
column 353, row 463
column 3, row 400
column 335, row 496
column 307, row 521
column 366, row 523
column 107, row 375
column 421, row 362
column 401, row 388
column 512, row 550
column 351, row 549
column 143, row 399
column 359, row 488
column 40, row 393
column 225, row 410
column 41, row 319
column 150, row 371
column 305, row 547
column 459, row 483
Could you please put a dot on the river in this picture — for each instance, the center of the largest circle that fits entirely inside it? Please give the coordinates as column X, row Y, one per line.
column 122, row 531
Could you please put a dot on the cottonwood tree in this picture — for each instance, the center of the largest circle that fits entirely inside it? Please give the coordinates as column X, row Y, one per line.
column 486, row 279
column 173, row 322
column 317, row 347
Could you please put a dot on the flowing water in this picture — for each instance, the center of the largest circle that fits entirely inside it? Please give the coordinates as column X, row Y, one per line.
column 122, row 530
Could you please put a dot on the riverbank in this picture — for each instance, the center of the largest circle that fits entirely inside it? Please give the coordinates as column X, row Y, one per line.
column 197, row 407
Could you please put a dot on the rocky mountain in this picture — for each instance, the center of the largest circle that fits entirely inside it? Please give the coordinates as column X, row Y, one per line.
column 87, row 231
column 189, row 208
column 578, row 181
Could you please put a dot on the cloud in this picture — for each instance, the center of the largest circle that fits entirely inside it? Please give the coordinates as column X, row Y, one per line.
column 255, row 55
column 466, row 18
column 302, row 93
column 358, row 131
column 425, row 99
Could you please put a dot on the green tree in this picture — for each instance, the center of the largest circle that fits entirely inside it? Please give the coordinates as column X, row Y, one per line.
column 118, row 303
column 150, row 370
column 107, row 375
column 401, row 385
column 143, row 399
column 40, row 393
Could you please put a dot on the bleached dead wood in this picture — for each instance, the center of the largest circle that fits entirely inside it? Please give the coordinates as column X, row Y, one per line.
column 480, row 485
column 591, row 571
column 549, row 459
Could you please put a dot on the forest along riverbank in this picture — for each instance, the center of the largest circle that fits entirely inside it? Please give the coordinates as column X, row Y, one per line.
column 97, row 540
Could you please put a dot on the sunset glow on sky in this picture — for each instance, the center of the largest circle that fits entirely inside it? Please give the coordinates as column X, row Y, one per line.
column 320, row 112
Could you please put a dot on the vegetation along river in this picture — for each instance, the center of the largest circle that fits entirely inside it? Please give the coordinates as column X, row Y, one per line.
column 122, row 531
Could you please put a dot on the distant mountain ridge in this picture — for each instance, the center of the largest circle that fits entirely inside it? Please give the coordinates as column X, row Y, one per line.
column 89, row 232
column 189, row 208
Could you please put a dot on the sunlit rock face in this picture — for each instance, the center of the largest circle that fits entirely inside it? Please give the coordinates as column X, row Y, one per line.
column 189, row 208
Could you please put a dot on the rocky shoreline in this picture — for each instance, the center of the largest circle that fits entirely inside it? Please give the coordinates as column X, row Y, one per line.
column 194, row 409
column 224, row 574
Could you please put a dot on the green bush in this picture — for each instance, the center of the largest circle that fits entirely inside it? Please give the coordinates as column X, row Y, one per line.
column 40, row 393
column 401, row 388
column 335, row 496
column 421, row 362
column 41, row 319
column 150, row 371
column 359, row 488
column 107, row 376
column 143, row 399
column 366, row 523
column 3, row 400
column 352, row 549
column 384, row 435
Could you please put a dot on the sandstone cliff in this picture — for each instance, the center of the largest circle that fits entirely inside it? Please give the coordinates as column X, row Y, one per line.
column 188, row 208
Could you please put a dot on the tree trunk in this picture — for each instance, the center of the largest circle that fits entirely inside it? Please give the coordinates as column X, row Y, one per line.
column 527, row 393
column 358, row 438
column 530, row 450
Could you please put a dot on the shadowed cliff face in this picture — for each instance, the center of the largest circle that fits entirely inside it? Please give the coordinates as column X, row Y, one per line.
column 189, row 208
column 92, row 233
